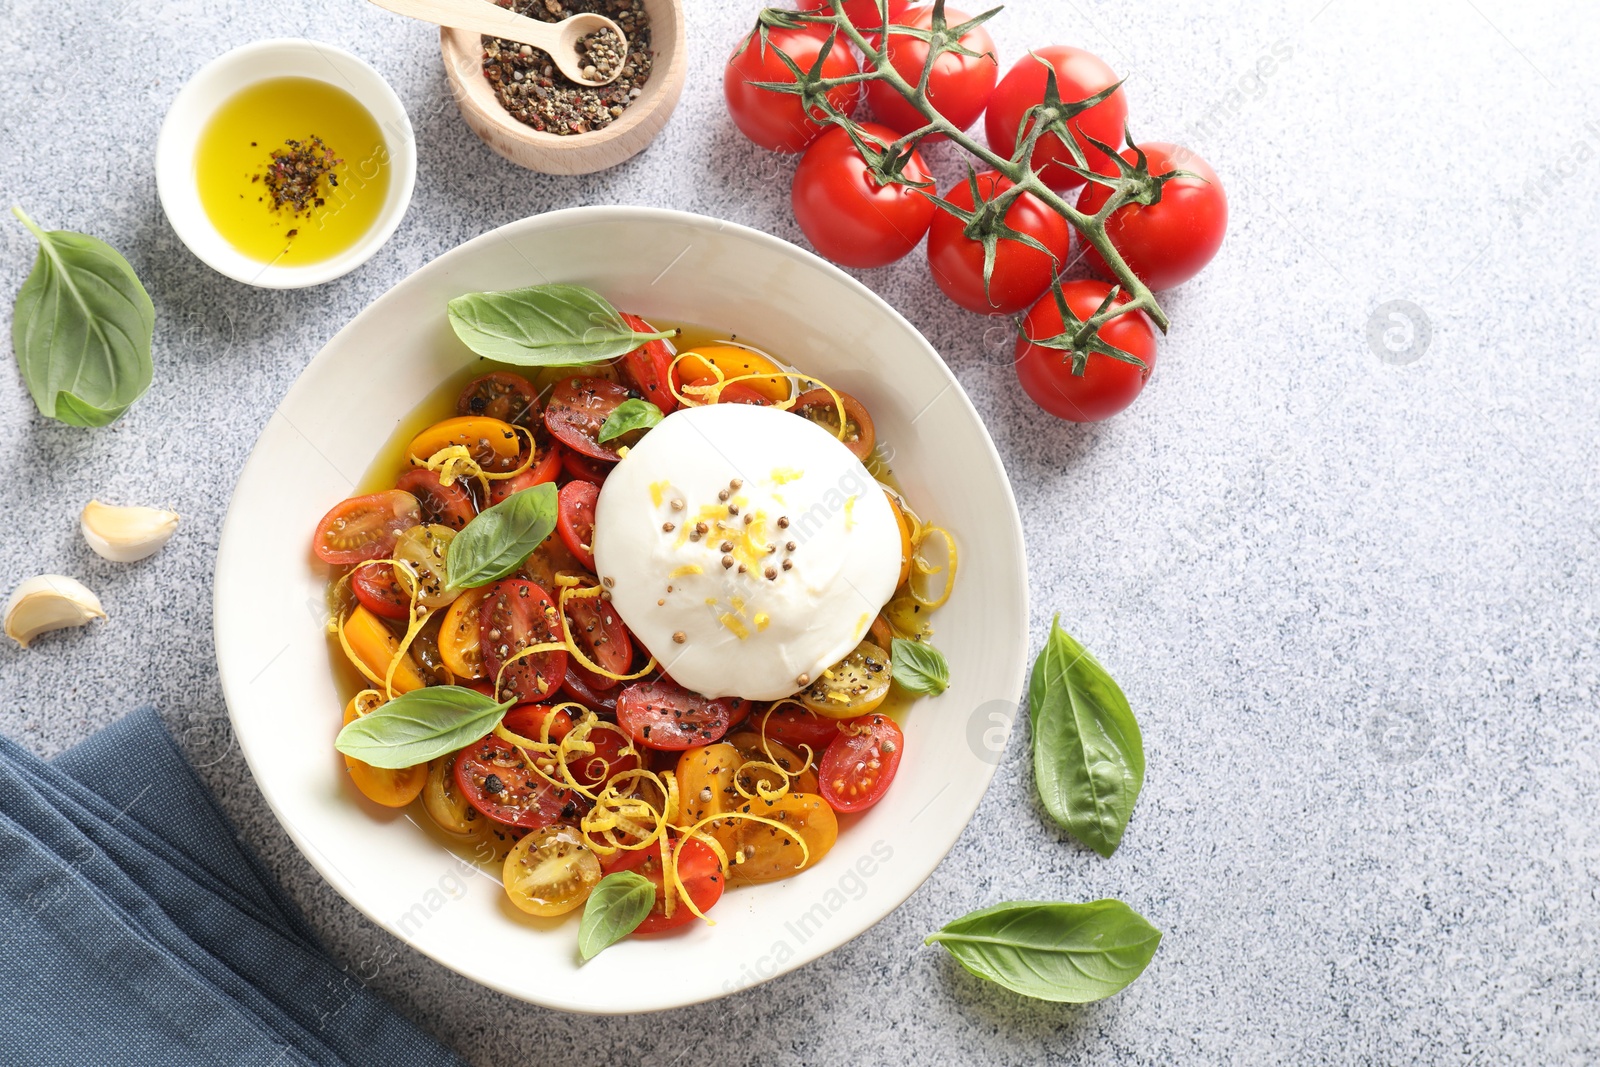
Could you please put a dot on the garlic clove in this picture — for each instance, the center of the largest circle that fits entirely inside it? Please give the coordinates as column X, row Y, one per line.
column 126, row 534
column 49, row 602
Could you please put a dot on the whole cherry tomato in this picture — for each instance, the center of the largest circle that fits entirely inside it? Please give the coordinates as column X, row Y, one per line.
column 958, row 86
column 1079, row 75
column 1170, row 241
column 846, row 215
column 1107, row 384
column 1020, row 271
column 778, row 120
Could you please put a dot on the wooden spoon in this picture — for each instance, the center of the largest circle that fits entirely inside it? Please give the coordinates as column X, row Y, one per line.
column 559, row 40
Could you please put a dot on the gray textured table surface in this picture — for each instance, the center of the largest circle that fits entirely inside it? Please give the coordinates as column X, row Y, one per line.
column 1347, row 579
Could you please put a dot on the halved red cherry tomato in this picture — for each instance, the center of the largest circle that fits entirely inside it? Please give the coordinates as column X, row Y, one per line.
column 665, row 716
column 514, row 615
column 859, row 434
column 647, row 367
column 527, row 720
column 501, row 395
column 444, row 505
column 575, row 519
column 585, row 468
column 796, row 725
column 597, row 628
column 860, row 763
column 608, row 760
column 578, row 408
column 580, row 685
column 379, row 591
column 732, row 393
column 493, row 778
column 545, row 468
column 365, row 527
column 698, row 869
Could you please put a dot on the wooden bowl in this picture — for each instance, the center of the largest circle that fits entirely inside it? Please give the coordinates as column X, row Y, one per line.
column 578, row 153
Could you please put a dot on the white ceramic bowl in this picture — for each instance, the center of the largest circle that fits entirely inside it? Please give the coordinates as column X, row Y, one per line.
column 275, row 659
column 218, row 81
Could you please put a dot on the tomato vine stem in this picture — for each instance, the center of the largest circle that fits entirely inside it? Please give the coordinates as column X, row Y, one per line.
column 887, row 159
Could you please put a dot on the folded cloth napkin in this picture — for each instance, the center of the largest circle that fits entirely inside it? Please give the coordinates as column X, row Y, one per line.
column 138, row 930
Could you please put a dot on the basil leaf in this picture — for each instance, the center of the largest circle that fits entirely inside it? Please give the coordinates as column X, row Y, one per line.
column 498, row 539
column 615, row 909
column 545, row 326
column 626, row 416
column 421, row 725
column 918, row 667
column 1067, row 953
column 81, row 329
column 1088, row 755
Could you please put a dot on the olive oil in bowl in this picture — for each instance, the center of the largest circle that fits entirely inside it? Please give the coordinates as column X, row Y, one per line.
column 292, row 171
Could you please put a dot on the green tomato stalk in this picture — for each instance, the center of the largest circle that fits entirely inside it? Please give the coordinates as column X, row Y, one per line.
column 985, row 223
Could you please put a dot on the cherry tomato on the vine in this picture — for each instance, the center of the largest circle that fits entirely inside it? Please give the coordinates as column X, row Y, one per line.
column 1107, row 384
column 863, row 13
column 1079, row 75
column 1020, row 272
column 777, row 120
column 1170, row 241
column 846, row 215
column 958, row 86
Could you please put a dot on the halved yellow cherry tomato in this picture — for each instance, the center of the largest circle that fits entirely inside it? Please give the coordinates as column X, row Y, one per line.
column 375, row 647
column 425, row 548
column 907, row 618
column 494, row 444
column 391, row 788
column 493, row 841
column 443, row 801
column 705, row 781
column 854, row 686
column 734, row 362
column 551, row 871
column 758, row 852
column 905, row 539
column 459, row 645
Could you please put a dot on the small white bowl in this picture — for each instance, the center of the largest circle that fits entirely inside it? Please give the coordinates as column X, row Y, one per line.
column 216, row 83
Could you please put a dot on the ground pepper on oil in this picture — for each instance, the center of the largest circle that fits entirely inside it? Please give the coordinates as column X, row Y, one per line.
column 294, row 177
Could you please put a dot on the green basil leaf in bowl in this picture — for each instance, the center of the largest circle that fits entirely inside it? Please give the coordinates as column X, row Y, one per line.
column 918, row 667
column 421, row 725
column 545, row 326
column 632, row 414
column 499, row 538
column 1068, row 953
column 614, row 910
column 1088, row 754
column 81, row 329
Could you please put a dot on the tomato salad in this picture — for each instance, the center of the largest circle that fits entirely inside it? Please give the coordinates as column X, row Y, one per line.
column 596, row 760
